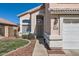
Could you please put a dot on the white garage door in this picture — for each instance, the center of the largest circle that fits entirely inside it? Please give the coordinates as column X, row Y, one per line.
column 71, row 33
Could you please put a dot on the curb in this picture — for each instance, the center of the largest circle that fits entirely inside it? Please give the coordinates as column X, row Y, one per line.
column 18, row 48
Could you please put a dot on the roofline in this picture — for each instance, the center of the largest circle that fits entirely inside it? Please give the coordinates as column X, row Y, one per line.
column 64, row 11
column 9, row 24
column 30, row 11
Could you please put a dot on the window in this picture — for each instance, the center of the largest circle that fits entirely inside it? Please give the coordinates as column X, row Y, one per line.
column 26, row 21
column 26, row 28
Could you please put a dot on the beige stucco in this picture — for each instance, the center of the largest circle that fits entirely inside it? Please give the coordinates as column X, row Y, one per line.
column 56, row 37
column 9, row 31
column 23, row 17
column 6, row 31
column 47, row 20
column 52, row 31
column 33, row 23
column 57, row 32
column 50, row 18
column 26, row 16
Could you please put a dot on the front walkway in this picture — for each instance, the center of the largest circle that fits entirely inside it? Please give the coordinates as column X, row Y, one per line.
column 1, row 37
column 39, row 49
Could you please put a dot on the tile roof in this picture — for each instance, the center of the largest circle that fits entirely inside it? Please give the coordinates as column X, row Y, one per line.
column 3, row 21
column 64, row 8
column 65, row 11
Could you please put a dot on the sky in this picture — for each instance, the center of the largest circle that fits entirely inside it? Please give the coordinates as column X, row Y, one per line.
column 9, row 11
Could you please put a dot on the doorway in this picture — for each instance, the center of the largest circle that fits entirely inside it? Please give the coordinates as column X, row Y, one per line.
column 39, row 26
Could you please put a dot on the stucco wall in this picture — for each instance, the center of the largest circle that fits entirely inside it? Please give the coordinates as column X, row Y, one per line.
column 47, row 22
column 26, row 16
column 6, row 31
column 12, row 31
column 33, row 22
column 54, row 26
column 52, row 17
column 54, row 39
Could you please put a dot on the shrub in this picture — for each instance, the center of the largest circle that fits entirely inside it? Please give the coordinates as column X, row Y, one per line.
column 28, row 36
column 31, row 36
column 25, row 35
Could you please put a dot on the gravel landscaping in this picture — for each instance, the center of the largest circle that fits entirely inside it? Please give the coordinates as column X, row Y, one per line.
column 10, row 45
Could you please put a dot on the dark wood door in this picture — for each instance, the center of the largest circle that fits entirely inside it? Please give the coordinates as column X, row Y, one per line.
column 40, row 27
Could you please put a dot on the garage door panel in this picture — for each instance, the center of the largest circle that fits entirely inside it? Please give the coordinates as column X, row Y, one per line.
column 71, row 27
column 71, row 34
column 70, row 39
column 68, row 45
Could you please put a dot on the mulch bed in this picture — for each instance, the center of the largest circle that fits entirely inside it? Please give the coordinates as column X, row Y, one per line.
column 26, row 51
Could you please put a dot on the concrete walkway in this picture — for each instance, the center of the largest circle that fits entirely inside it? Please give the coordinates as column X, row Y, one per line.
column 39, row 49
column 72, row 52
column 1, row 37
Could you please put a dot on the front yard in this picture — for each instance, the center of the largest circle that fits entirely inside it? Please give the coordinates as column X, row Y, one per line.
column 9, row 45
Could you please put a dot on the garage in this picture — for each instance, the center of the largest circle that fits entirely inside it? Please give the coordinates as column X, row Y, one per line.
column 70, row 33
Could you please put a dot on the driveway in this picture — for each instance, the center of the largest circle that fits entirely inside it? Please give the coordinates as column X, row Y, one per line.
column 72, row 52
column 41, row 50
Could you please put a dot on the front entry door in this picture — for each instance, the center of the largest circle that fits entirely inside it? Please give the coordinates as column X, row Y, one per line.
column 39, row 26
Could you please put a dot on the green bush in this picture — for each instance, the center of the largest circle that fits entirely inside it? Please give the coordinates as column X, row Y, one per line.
column 31, row 36
column 28, row 36
column 25, row 35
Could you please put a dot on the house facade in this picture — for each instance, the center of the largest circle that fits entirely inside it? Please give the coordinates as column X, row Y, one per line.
column 25, row 24
column 7, row 28
column 58, row 23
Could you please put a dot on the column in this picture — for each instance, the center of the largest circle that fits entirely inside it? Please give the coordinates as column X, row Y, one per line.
column 20, row 32
column 55, row 39
column 52, row 25
column 6, row 31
